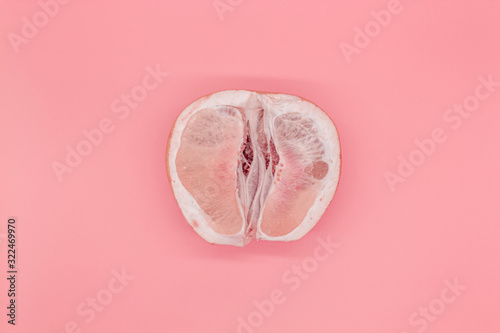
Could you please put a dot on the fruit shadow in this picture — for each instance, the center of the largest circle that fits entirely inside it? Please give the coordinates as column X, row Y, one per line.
column 254, row 250
column 259, row 249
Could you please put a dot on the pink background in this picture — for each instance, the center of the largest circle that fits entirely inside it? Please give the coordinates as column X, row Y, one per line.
column 116, row 209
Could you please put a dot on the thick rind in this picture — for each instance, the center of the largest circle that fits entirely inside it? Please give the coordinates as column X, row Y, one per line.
column 248, row 99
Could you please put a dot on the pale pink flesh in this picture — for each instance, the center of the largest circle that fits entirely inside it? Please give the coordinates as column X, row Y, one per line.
column 281, row 178
column 206, row 164
column 295, row 186
column 287, row 205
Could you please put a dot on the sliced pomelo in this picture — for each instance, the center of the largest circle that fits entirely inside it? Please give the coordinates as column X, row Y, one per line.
column 244, row 165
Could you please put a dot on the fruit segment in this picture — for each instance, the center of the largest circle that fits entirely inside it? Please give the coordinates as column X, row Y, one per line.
column 206, row 162
column 296, row 183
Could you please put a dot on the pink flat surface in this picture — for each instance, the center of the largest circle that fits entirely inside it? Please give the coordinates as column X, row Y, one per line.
column 102, row 245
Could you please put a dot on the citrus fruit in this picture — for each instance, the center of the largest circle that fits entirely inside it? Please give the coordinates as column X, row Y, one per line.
column 246, row 164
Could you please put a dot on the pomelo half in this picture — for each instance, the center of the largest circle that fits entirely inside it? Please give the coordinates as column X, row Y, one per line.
column 246, row 164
